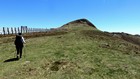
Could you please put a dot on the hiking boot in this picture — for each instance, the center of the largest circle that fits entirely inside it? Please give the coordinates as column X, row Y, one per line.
column 17, row 57
column 20, row 57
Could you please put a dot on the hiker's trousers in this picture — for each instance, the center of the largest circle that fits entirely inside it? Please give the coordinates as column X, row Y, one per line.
column 19, row 50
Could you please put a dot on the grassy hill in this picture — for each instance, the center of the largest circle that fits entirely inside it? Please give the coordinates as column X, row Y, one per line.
column 78, row 52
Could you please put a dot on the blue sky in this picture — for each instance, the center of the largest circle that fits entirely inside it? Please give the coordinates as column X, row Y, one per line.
column 106, row 15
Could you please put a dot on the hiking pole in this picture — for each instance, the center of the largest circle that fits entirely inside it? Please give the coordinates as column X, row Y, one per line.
column 15, row 52
column 24, row 49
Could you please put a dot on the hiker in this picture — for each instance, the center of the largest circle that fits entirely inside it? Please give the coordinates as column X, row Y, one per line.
column 19, row 40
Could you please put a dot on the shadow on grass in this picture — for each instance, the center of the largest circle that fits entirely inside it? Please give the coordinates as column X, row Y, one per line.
column 11, row 60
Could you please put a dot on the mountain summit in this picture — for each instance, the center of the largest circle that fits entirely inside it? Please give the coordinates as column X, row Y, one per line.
column 79, row 23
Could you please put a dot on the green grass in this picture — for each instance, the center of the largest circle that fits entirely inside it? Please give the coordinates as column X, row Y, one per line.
column 74, row 55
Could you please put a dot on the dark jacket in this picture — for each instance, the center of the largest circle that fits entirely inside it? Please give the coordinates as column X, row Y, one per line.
column 19, row 41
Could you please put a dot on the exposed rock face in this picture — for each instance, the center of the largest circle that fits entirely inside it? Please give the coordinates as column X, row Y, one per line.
column 135, row 39
column 79, row 22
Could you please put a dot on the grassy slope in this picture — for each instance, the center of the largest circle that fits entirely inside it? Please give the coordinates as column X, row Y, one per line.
column 83, row 54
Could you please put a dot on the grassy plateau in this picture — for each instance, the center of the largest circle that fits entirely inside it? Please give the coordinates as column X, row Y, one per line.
column 79, row 53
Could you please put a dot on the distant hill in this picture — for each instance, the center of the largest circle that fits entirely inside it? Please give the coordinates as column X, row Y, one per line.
column 79, row 23
column 85, row 24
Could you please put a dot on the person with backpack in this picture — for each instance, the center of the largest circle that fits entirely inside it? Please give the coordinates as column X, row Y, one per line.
column 19, row 41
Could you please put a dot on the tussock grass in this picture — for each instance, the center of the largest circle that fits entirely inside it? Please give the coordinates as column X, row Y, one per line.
column 81, row 54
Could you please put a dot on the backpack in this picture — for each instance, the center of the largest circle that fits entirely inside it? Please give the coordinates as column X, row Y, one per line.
column 18, row 40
